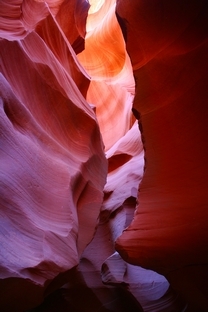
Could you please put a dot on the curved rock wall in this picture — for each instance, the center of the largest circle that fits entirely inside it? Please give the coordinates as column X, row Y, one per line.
column 53, row 167
column 72, row 157
column 167, row 44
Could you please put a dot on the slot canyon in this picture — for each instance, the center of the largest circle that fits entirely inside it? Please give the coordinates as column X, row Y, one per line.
column 103, row 156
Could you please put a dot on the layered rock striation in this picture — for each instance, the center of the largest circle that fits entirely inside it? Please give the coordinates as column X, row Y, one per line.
column 105, row 205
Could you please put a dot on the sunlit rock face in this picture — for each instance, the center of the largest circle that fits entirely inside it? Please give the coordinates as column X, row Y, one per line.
column 168, row 45
column 72, row 156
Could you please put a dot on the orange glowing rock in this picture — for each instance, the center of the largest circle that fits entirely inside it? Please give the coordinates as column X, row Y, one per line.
column 72, row 156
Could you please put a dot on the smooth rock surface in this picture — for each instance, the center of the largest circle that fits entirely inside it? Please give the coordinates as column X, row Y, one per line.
column 168, row 50
column 73, row 155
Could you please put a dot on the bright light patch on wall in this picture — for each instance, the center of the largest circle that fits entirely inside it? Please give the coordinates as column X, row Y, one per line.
column 95, row 5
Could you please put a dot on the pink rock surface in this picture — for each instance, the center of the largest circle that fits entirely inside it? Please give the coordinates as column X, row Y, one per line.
column 147, row 286
column 53, row 167
column 72, row 156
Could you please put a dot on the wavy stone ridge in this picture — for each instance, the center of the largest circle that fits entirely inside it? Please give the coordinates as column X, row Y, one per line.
column 72, row 157
column 53, row 168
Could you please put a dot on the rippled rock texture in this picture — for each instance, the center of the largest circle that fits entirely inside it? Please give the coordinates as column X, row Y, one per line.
column 73, row 155
column 53, row 167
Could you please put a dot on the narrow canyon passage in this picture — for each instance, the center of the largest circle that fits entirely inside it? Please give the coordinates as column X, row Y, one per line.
column 96, row 215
